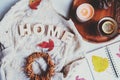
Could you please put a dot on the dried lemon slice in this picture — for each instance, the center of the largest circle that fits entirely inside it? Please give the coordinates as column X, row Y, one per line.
column 108, row 27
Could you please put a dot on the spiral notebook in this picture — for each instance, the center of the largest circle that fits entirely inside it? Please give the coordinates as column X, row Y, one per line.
column 104, row 62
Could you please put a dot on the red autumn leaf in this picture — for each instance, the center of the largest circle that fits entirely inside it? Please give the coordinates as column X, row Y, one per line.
column 49, row 45
column 34, row 3
column 43, row 45
column 78, row 78
column 118, row 54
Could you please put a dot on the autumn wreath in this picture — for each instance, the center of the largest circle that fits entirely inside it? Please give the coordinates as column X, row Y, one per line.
column 44, row 75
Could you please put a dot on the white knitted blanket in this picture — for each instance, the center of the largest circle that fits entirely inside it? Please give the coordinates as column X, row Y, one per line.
column 24, row 31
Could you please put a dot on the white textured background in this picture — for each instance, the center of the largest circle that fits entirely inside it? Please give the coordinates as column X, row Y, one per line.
column 5, row 6
column 61, row 6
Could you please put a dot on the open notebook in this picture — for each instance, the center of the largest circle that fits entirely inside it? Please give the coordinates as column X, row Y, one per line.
column 104, row 62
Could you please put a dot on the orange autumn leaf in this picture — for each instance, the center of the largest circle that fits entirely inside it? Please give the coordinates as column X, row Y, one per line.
column 34, row 3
